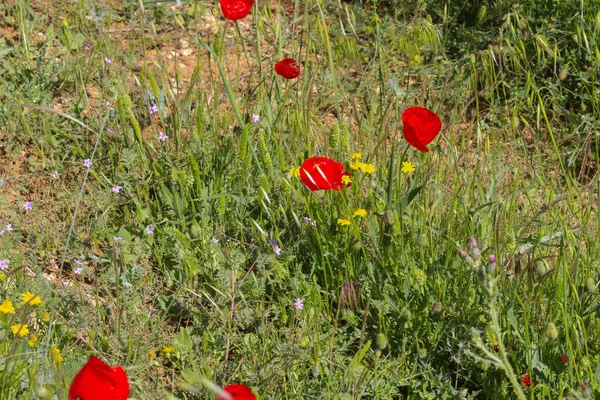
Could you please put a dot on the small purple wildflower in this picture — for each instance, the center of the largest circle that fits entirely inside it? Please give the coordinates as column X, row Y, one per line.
column 118, row 239
column 9, row 228
column 77, row 261
column 298, row 304
column 153, row 109
column 162, row 137
column 213, row 240
column 255, row 118
column 109, row 130
column 276, row 248
column 107, row 60
column 28, row 205
column 492, row 258
column 117, row 188
column 87, row 163
column 1, row 232
column 310, row 221
column 3, row 265
column 87, row 47
column 149, row 229
column 78, row 271
column 54, row 175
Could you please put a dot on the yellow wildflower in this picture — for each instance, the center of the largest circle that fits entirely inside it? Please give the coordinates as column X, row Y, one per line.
column 55, row 354
column 368, row 168
column 343, row 222
column 167, row 350
column 20, row 329
column 356, row 156
column 7, row 307
column 408, row 167
column 361, row 212
column 355, row 164
column 31, row 298
column 46, row 316
column 151, row 353
column 346, row 180
column 294, row 171
column 2, row 277
column 32, row 340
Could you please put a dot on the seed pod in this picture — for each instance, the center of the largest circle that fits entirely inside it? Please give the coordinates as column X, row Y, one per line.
column 265, row 157
column 551, row 331
column 381, row 341
column 334, row 137
column 345, row 139
column 422, row 352
column 244, row 145
column 218, row 42
column 481, row 14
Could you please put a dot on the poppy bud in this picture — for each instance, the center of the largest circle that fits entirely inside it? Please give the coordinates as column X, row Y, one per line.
column 422, row 240
column 437, row 308
column 515, row 123
column 42, row 392
column 551, row 331
column 422, row 352
column 564, row 73
column 541, row 268
column 381, row 341
column 590, row 284
column 471, row 243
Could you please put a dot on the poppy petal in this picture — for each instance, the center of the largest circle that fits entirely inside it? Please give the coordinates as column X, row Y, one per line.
column 421, row 126
column 238, row 392
column 98, row 381
column 234, row 10
column 288, row 68
column 322, row 173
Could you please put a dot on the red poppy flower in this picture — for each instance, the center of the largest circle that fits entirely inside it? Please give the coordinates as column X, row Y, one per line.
column 564, row 359
column 288, row 68
column 98, row 381
column 526, row 380
column 421, row 126
column 496, row 349
column 236, row 9
column 238, row 392
column 322, row 173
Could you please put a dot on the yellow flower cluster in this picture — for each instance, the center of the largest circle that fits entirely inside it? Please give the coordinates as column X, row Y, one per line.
column 20, row 329
column 7, row 307
column 361, row 212
column 366, row 168
column 31, row 298
column 343, row 222
column 346, row 180
column 167, row 350
column 32, row 340
column 294, row 172
column 408, row 167
column 55, row 354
